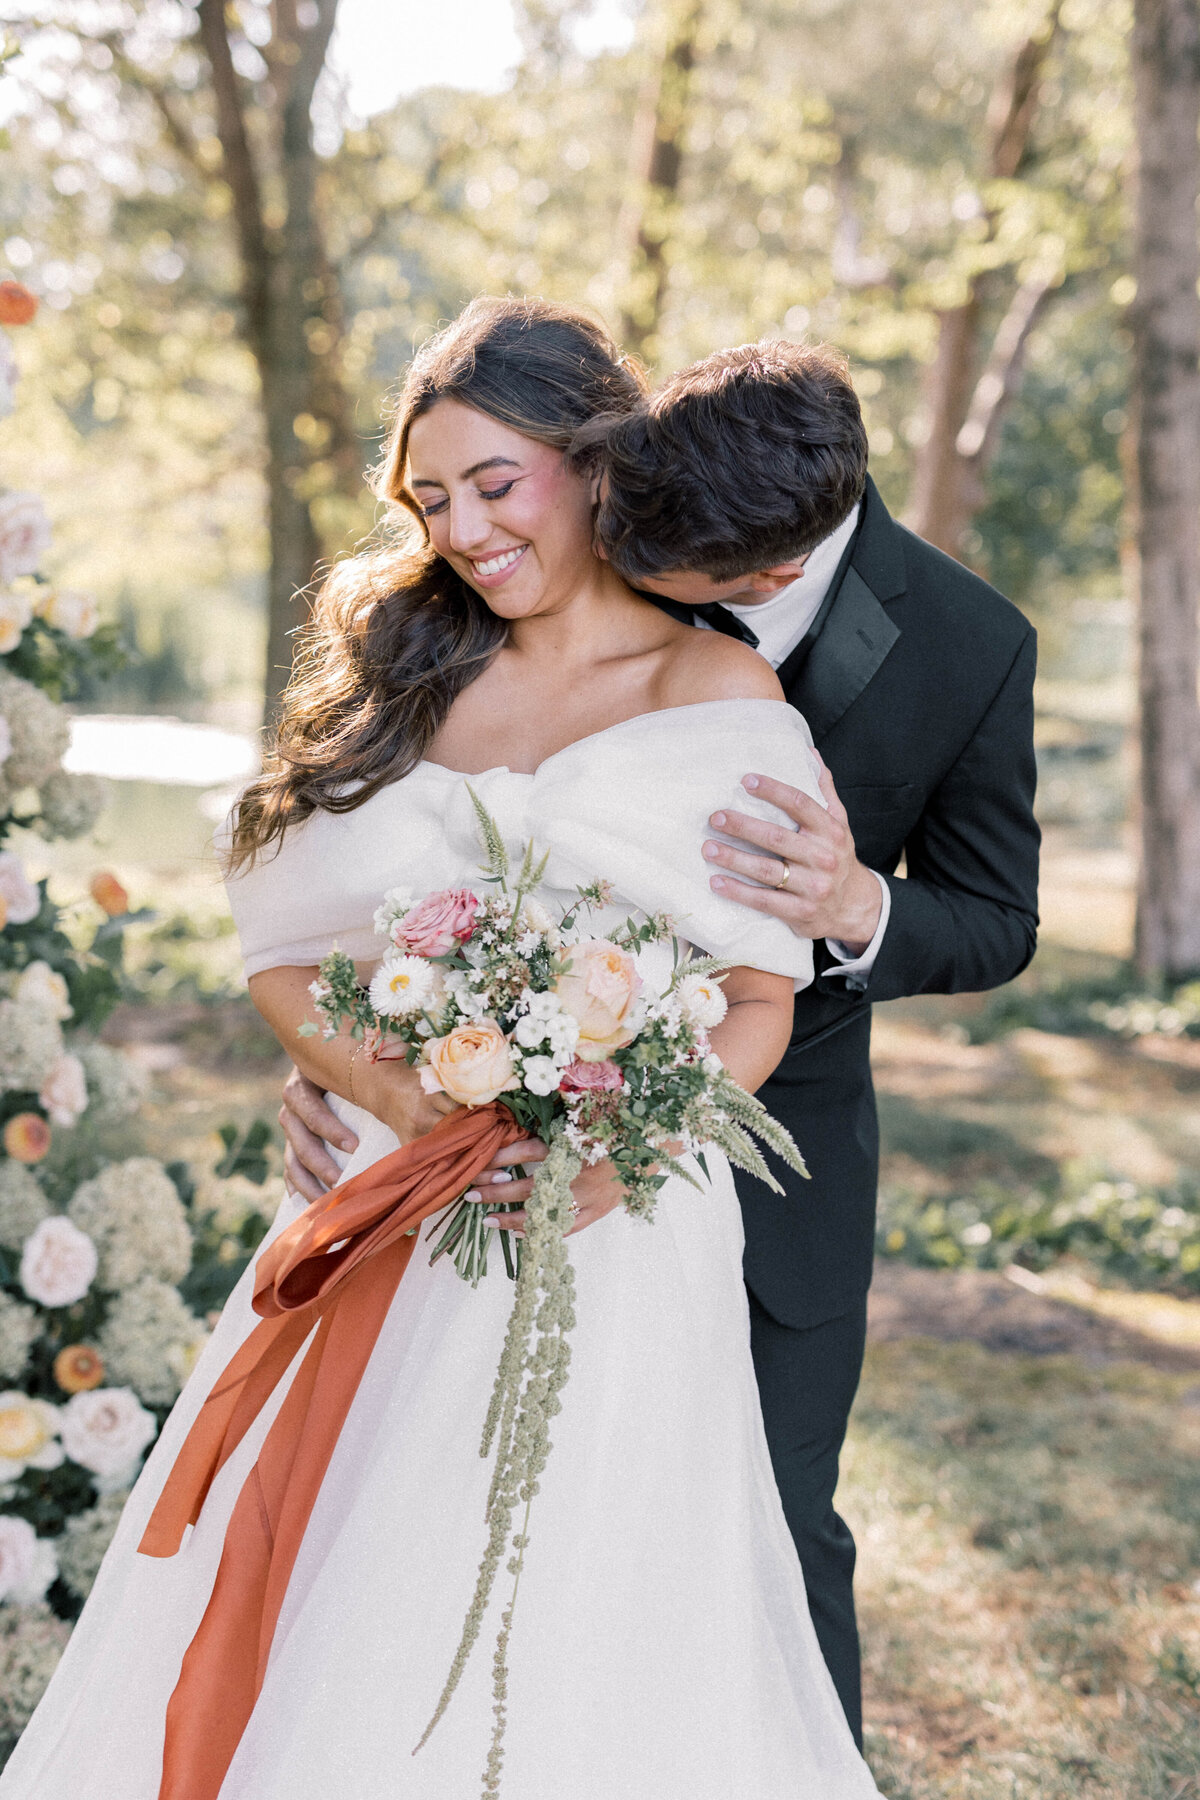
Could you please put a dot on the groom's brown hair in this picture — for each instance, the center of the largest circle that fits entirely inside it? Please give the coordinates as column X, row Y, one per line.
column 739, row 462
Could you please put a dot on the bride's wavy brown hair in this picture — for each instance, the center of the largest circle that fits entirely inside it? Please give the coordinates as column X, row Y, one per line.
column 395, row 634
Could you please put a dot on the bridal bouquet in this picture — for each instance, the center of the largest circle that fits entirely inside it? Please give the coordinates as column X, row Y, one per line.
column 493, row 998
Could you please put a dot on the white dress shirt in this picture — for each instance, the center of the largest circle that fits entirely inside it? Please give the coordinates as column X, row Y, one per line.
column 779, row 624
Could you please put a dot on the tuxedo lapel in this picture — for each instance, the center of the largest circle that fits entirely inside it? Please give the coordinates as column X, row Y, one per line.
column 853, row 643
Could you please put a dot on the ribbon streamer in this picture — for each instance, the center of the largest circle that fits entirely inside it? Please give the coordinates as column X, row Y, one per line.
column 337, row 1267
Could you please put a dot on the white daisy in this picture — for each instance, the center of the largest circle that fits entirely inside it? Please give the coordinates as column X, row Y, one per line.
column 401, row 986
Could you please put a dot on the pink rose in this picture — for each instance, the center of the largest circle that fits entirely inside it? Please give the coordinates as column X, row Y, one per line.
column 599, row 991
column 473, row 1064
column 436, row 924
column 591, row 1078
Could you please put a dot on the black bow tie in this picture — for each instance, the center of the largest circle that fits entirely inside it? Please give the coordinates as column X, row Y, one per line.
column 721, row 619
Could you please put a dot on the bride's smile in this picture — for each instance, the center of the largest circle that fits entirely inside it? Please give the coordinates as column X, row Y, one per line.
column 505, row 511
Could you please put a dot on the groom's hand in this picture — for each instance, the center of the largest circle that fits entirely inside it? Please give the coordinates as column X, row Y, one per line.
column 828, row 892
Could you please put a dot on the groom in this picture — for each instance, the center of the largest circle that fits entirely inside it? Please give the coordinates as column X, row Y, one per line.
column 738, row 496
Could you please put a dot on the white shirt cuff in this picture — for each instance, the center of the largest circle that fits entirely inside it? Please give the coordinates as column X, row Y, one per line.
column 862, row 965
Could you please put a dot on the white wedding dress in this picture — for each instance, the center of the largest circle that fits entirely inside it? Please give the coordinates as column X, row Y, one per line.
column 662, row 1648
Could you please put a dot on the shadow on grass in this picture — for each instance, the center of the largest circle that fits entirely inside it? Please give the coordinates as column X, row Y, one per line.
column 965, row 1149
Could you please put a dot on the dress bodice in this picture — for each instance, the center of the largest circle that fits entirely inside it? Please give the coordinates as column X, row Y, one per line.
column 629, row 804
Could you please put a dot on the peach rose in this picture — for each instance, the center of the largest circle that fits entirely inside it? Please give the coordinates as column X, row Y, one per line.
column 436, row 924
column 27, row 1137
column 78, row 1369
column 473, row 1064
column 108, row 893
column 599, row 990
column 17, row 304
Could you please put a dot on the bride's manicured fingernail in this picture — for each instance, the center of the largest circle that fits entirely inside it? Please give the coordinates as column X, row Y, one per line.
column 472, row 1194
column 712, row 851
column 717, row 821
column 717, row 882
column 750, row 782
column 502, row 1175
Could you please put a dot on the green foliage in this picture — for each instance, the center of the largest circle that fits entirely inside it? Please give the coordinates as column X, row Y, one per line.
column 1145, row 1237
column 1094, row 1006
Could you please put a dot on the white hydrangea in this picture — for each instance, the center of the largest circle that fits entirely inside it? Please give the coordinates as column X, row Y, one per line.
column 40, row 733
column 19, row 1327
column 27, row 1562
column 5, row 741
column 404, row 985
column 31, row 1642
column 30, row 1045
column 24, row 535
column 85, row 1539
column 116, row 1085
column 106, row 1431
column 71, row 804
column 40, row 985
column 23, row 1205
column 135, row 1218
column 149, row 1340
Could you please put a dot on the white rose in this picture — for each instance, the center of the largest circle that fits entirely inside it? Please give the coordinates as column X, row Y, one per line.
column 24, row 535
column 15, row 614
column 58, row 1263
column 40, row 985
column 64, row 1092
column 8, row 377
column 75, row 613
column 20, row 897
column 404, row 985
column 28, row 1435
column 27, row 1562
column 106, row 1431
column 540, row 1074
column 704, row 1005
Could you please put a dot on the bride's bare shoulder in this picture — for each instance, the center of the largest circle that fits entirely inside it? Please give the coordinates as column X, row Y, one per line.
column 707, row 665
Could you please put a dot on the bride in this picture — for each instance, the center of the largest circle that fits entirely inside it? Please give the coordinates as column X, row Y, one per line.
column 662, row 1648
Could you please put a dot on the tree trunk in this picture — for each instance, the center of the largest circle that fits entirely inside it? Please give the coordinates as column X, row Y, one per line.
column 964, row 409
column 1166, row 331
column 656, row 166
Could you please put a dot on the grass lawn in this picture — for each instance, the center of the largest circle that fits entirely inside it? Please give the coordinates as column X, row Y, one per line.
column 1029, row 1544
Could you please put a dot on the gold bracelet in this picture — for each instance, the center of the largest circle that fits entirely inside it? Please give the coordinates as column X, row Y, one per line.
column 354, row 1056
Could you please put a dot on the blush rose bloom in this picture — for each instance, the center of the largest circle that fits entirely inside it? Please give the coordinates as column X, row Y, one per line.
column 591, row 1078
column 436, row 924
column 17, row 891
column 106, row 1431
column 599, row 991
column 24, row 535
column 58, row 1262
column 27, row 1562
column 473, row 1064
column 64, row 1092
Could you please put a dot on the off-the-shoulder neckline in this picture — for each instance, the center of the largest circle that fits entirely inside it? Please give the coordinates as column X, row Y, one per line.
column 593, row 737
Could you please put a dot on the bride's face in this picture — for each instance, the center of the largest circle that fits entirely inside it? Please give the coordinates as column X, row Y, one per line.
column 503, row 510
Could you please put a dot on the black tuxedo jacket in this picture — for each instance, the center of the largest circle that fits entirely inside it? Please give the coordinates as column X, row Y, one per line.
column 917, row 683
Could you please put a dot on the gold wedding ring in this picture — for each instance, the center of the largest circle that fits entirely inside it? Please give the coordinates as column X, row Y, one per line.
column 786, row 876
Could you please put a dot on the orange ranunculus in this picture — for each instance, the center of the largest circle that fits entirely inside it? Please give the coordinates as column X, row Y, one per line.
column 473, row 1064
column 17, row 304
column 27, row 1137
column 107, row 892
column 78, row 1368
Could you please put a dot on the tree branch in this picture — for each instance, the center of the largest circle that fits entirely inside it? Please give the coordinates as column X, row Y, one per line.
column 997, row 386
column 240, row 173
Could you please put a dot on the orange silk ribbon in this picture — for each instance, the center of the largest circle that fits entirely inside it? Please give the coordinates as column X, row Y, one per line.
column 336, row 1267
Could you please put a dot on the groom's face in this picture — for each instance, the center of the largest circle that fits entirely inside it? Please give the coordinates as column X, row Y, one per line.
column 692, row 588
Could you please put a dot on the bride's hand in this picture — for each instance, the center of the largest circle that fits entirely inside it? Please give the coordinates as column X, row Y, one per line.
column 393, row 1093
column 597, row 1191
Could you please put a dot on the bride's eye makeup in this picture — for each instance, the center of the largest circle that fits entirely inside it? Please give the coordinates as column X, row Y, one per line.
column 498, row 493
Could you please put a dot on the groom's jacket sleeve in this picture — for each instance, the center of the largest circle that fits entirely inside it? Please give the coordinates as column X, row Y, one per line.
column 964, row 917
